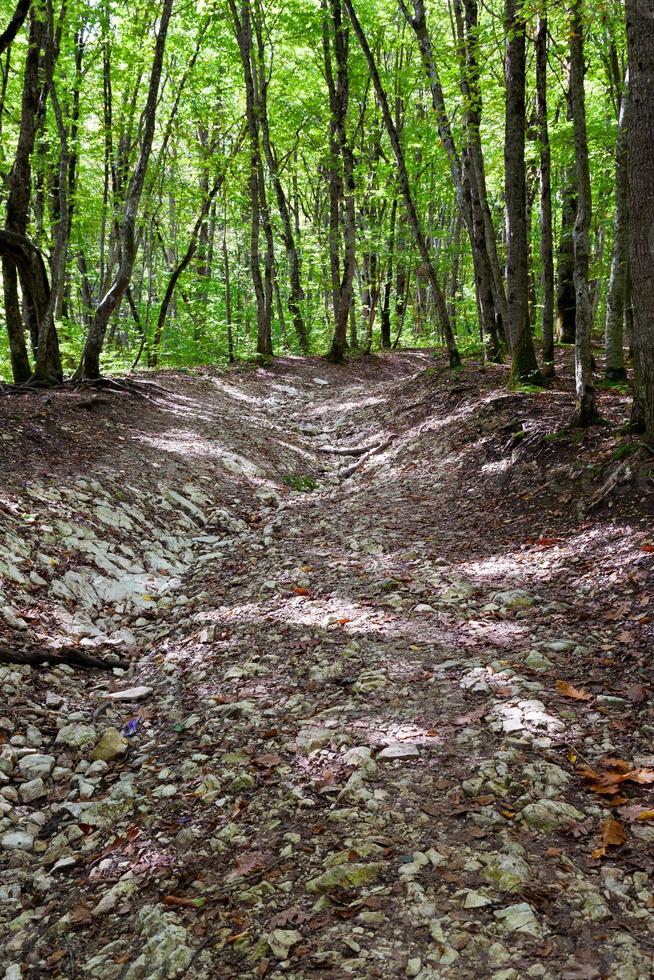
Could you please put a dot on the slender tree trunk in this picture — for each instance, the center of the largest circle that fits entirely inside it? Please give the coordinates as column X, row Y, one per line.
column 524, row 366
column 460, row 174
column 89, row 368
column 586, row 408
column 615, row 301
column 405, row 187
column 262, row 292
column 14, row 25
column 228, row 295
column 19, row 196
column 296, row 293
column 339, row 98
column 473, row 94
column 385, row 316
column 640, row 47
column 546, row 234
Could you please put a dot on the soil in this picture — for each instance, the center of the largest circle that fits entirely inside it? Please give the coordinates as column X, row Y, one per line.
column 397, row 649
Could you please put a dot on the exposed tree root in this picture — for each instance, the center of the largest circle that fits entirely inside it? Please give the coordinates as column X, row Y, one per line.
column 623, row 473
column 350, row 470
column 354, row 451
column 67, row 655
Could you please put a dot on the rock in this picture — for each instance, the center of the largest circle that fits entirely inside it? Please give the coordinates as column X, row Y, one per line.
column 399, row 750
column 129, row 694
column 519, row 918
column 549, row 815
column 345, row 876
column 476, row 900
column 114, row 895
column 413, row 967
column 165, row 952
column 111, row 744
column 268, row 496
column 281, row 942
column 507, row 872
column 514, row 599
column 311, row 739
column 32, row 790
column 76, row 736
column 17, row 840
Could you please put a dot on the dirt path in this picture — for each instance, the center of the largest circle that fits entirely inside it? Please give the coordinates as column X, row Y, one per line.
column 381, row 666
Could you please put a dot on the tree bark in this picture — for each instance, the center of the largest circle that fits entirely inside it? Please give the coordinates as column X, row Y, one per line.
column 14, row 25
column 339, row 98
column 615, row 301
column 89, row 368
column 545, row 159
column 405, row 187
column 640, row 47
column 586, row 409
column 262, row 292
column 461, row 178
column 296, row 293
column 471, row 89
column 19, row 195
column 524, row 366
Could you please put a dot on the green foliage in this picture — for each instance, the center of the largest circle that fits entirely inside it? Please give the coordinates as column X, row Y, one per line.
column 198, row 137
column 300, row 483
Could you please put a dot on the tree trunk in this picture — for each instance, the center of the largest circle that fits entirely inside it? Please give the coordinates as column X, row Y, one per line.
column 524, row 366
column 339, row 98
column 615, row 301
column 461, row 179
column 19, row 195
column 405, row 187
column 89, row 368
column 640, row 47
column 472, row 92
column 243, row 29
column 14, row 25
column 385, row 316
column 296, row 294
column 546, row 235
column 586, row 409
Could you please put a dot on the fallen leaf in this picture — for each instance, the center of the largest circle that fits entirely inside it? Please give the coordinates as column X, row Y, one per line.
column 569, row 691
column 56, row 957
column 247, row 863
column 269, row 760
column 293, row 916
column 613, row 835
column 184, row 903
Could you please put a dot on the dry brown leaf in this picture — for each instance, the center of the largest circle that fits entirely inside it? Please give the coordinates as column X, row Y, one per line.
column 247, row 863
column 269, row 760
column 568, row 691
column 613, row 835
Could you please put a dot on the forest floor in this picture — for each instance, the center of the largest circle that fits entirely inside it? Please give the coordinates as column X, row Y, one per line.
column 386, row 713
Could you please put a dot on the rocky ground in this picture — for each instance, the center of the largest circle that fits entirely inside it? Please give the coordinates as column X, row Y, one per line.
column 386, row 704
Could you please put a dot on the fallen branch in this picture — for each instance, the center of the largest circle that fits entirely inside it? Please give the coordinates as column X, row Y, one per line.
column 354, row 451
column 623, row 473
column 67, row 655
column 350, row 470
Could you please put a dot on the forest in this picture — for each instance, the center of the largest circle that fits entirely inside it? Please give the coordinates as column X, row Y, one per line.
column 213, row 182
column 327, row 489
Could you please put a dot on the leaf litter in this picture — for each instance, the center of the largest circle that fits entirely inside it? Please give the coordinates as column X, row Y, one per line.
column 496, row 657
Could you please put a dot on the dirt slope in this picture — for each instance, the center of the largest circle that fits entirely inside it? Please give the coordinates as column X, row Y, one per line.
column 390, row 687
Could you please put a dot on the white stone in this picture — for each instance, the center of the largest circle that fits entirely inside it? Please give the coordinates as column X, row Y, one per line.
column 400, row 750
column 129, row 694
column 17, row 840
